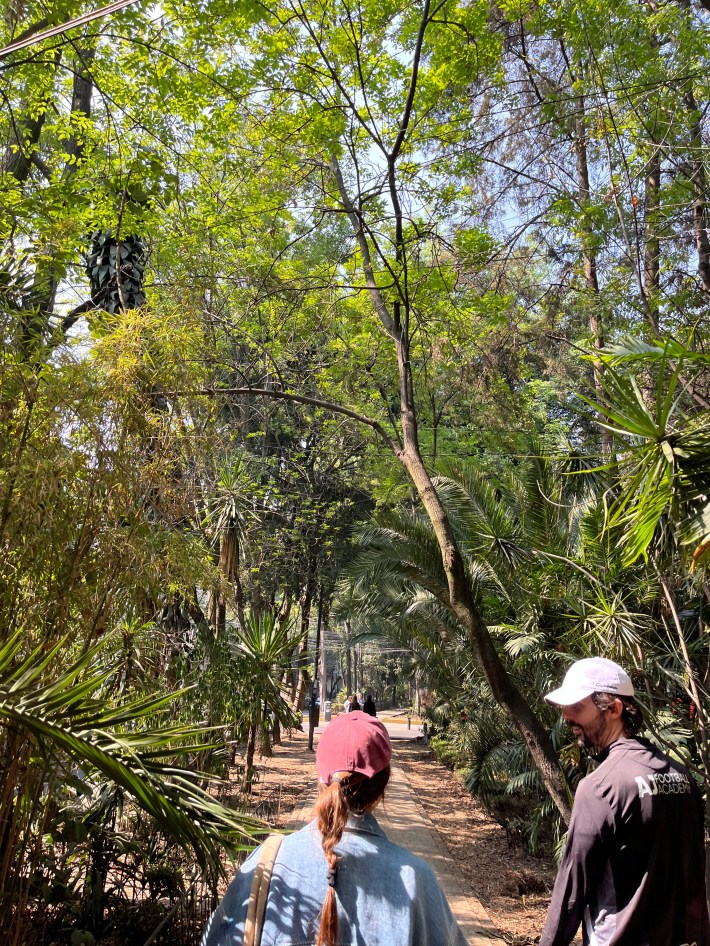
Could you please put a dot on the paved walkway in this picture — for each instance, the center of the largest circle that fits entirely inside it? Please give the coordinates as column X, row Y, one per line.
column 406, row 823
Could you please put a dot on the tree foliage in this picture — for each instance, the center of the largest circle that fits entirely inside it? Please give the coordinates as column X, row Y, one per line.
column 245, row 247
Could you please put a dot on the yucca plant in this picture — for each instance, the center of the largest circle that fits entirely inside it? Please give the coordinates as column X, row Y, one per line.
column 228, row 510
column 263, row 648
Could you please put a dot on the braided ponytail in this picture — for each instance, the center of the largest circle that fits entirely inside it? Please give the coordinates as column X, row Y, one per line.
column 348, row 791
column 331, row 812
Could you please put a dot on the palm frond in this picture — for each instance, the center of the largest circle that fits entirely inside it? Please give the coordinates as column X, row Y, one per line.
column 68, row 714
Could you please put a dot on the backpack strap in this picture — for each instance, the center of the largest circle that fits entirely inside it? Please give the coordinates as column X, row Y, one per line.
column 260, row 890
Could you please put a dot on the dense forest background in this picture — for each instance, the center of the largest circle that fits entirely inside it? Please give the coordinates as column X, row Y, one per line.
column 387, row 320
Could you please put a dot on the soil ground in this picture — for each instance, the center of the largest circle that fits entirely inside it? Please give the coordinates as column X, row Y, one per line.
column 513, row 886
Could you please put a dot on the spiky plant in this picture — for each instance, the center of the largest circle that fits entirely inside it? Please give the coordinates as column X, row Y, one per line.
column 264, row 646
column 55, row 718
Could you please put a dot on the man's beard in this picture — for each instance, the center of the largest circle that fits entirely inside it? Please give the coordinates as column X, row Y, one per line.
column 593, row 736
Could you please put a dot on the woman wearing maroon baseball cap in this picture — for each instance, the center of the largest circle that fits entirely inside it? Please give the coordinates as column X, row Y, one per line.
column 339, row 881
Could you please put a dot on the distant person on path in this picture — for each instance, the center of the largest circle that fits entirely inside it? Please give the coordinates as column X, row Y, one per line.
column 339, row 880
column 348, row 704
column 369, row 706
column 355, row 705
column 633, row 870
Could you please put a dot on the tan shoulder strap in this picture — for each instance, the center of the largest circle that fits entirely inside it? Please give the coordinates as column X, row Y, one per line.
column 260, row 890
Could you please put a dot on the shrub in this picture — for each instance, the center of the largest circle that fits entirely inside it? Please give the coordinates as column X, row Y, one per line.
column 449, row 754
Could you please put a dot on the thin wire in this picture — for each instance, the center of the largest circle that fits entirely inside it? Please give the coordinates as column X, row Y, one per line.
column 63, row 27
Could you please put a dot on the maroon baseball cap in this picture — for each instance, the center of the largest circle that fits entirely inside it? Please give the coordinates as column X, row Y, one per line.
column 353, row 742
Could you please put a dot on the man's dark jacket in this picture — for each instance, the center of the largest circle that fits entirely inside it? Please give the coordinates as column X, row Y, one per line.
column 633, row 870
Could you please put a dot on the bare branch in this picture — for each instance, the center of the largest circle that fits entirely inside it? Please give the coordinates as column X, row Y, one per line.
column 355, row 220
column 292, row 398
column 404, row 124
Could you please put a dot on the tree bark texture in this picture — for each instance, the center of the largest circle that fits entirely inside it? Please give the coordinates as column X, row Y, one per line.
column 17, row 159
column 323, row 617
column 303, row 679
column 82, row 92
column 348, row 661
column 652, row 246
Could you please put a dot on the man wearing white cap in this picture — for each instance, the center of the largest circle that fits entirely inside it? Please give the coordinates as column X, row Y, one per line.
column 633, row 870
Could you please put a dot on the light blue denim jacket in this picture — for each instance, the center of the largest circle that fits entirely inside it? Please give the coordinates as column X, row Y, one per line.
column 386, row 896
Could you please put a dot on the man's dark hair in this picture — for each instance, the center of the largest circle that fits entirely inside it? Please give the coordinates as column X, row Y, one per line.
column 631, row 715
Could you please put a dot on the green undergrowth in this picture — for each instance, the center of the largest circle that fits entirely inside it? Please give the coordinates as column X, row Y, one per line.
column 449, row 755
column 527, row 820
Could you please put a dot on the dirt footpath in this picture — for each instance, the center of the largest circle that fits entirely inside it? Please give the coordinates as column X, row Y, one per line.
column 513, row 887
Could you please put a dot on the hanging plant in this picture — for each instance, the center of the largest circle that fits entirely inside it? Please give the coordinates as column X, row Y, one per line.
column 115, row 269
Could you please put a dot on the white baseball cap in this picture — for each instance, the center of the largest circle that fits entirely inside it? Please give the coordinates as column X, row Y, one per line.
column 591, row 675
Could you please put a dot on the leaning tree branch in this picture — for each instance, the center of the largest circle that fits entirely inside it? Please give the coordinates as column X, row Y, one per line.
column 358, row 228
column 407, row 114
column 294, row 399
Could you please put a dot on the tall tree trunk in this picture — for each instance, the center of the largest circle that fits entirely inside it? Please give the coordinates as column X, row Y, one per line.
column 348, row 661
column 19, row 154
column 502, row 687
column 215, row 603
column 698, row 181
column 264, row 737
column 249, row 758
column 325, row 611
column 396, row 324
column 313, row 713
column 589, row 257
column 304, row 678
column 217, row 612
column 82, row 93
column 19, row 157
column 652, row 245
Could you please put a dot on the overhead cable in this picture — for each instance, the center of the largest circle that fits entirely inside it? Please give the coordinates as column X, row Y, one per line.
column 63, row 27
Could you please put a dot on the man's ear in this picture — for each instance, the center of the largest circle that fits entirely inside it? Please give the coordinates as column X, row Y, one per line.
column 616, row 709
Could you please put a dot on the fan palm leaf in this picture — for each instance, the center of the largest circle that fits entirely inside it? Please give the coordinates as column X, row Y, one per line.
column 266, row 645
column 65, row 712
column 663, row 471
